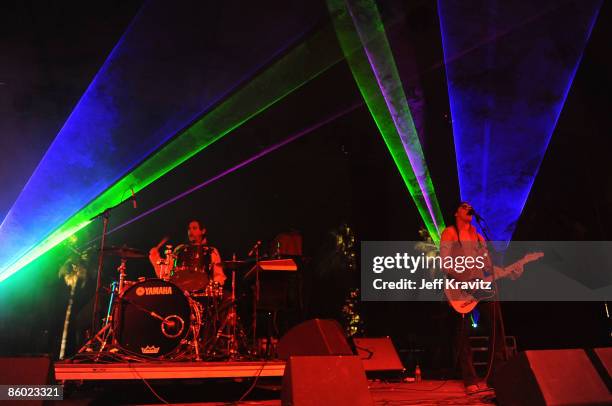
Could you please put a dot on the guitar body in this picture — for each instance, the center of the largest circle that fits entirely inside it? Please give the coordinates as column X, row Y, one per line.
column 460, row 300
column 464, row 301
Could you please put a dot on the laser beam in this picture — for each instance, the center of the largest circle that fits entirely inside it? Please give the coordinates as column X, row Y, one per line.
column 362, row 37
column 506, row 93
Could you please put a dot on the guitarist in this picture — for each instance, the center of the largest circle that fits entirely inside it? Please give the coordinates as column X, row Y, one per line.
column 462, row 239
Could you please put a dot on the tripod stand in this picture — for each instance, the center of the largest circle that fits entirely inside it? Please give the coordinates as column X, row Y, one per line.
column 229, row 328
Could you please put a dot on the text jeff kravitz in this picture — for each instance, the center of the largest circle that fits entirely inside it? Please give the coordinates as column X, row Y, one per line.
column 435, row 284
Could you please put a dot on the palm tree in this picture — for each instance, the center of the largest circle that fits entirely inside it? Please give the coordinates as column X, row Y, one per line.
column 73, row 271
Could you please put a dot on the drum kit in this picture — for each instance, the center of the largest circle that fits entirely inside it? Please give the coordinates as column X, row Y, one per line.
column 173, row 317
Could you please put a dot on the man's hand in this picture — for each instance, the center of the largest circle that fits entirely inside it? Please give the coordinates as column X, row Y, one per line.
column 155, row 258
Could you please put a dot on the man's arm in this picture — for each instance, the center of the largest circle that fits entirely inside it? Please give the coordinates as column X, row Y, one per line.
column 154, row 259
column 218, row 274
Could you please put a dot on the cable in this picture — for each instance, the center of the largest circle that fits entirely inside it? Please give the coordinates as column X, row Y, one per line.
column 149, row 386
column 494, row 310
column 245, row 394
column 370, row 352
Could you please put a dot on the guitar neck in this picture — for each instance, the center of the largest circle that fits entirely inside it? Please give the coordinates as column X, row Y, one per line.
column 510, row 269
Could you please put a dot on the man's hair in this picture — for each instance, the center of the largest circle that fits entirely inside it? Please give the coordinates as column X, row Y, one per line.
column 200, row 224
column 458, row 205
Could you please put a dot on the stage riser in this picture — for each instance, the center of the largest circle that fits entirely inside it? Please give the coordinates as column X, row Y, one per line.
column 101, row 372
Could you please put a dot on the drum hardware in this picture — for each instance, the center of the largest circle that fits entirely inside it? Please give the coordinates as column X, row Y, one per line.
column 94, row 315
column 213, row 290
column 234, row 264
column 123, row 252
column 166, row 265
column 171, row 322
column 230, row 327
column 255, row 251
column 121, row 270
column 102, row 337
column 195, row 333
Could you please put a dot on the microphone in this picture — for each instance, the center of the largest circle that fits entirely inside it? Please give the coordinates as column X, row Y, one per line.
column 133, row 198
column 472, row 212
column 255, row 247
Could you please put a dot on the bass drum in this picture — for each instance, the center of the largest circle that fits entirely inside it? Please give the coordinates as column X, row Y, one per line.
column 153, row 317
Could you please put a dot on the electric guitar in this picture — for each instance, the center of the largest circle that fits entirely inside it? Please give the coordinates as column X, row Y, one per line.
column 463, row 296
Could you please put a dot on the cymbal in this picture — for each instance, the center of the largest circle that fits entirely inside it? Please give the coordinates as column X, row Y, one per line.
column 234, row 264
column 234, row 261
column 124, row 252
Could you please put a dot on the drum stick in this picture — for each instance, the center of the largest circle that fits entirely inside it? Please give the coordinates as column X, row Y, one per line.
column 162, row 242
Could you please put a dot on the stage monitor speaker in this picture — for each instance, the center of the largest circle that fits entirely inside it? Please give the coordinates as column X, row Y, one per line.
column 314, row 337
column 550, row 377
column 605, row 357
column 378, row 354
column 325, row 380
column 26, row 371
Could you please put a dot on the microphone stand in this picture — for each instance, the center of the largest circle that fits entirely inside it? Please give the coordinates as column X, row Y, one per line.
column 256, row 297
column 105, row 216
column 496, row 307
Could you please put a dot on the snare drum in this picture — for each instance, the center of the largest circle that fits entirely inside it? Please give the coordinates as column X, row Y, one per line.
column 153, row 317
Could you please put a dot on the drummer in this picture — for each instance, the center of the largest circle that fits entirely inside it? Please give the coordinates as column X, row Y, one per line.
column 197, row 254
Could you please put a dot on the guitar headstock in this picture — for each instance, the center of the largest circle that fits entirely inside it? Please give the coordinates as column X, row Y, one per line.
column 532, row 256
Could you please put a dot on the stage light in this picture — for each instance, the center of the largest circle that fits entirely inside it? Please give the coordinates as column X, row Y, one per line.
column 509, row 68
column 362, row 37
column 293, row 70
column 474, row 317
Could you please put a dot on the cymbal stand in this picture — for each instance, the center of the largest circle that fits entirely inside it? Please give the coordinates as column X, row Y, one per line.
column 256, row 298
column 94, row 316
column 195, row 331
column 106, row 332
column 121, row 270
column 232, row 342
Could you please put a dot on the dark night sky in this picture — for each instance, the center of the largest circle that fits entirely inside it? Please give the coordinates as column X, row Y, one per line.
column 341, row 172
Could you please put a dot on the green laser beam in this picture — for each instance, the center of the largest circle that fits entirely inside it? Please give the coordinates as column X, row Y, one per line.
column 362, row 38
column 299, row 66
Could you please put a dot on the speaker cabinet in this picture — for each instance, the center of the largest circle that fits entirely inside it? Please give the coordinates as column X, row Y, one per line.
column 26, row 371
column 314, row 337
column 605, row 357
column 325, row 380
column 550, row 377
column 378, row 354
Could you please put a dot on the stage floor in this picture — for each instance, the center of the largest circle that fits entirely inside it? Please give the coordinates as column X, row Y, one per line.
column 425, row 393
column 227, row 380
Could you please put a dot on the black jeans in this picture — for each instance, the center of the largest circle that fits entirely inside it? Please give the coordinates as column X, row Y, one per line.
column 490, row 314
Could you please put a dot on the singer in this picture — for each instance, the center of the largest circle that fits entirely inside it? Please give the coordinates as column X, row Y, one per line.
column 462, row 239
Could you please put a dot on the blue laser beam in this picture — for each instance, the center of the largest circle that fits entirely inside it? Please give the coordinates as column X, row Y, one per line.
column 154, row 83
column 506, row 95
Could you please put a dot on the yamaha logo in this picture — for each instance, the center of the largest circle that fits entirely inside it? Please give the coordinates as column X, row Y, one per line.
column 154, row 291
